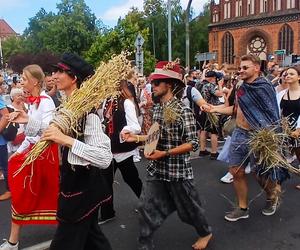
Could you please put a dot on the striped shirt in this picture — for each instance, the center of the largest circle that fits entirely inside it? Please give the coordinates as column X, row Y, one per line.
column 183, row 130
column 95, row 150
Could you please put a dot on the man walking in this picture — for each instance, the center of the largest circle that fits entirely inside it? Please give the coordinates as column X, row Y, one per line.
column 169, row 185
column 255, row 108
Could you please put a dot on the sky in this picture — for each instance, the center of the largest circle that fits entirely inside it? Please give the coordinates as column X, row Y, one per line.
column 17, row 12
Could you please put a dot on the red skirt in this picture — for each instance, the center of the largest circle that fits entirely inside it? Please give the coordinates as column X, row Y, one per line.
column 35, row 189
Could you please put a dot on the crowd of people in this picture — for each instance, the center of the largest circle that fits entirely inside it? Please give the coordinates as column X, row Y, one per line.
column 191, row 108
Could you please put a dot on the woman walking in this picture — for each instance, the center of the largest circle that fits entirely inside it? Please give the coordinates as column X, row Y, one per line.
column 34, row 188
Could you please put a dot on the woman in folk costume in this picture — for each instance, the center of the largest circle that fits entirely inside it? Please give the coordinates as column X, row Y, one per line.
column 85, row 153
column 34, row 188
column 121, row 116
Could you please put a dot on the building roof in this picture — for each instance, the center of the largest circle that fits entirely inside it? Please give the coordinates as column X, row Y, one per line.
column 5, row 29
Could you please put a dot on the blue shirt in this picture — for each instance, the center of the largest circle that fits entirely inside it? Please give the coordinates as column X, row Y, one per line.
column 2, row 106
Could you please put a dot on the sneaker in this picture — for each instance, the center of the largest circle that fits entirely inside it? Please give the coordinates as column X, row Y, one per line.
column 7, row 246
column 227, row 178
column 204, row 153
column 271, row 207
column 237, row 214
column 214, row 156
column 248, row 169
column 103, row 221
column 136, row 158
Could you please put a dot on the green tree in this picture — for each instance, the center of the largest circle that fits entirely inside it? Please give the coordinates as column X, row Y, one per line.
column 122, row 37
column 74, row 28
column 11, row 46
column 199, row 33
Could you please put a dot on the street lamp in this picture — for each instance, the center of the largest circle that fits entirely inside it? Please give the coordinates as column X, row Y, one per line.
column 169, row 31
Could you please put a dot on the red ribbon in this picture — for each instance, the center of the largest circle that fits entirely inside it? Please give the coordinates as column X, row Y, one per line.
column 35, row 99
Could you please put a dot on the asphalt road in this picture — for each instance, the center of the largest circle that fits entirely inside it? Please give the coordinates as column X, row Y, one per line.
column 278, row 232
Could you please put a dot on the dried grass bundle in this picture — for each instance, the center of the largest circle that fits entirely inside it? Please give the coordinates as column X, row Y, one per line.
column 269, row 147
column 102, row 85
column 214, row 119
column 171, row 113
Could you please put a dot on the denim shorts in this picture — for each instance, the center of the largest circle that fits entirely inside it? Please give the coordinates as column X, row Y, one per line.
column 239, row 148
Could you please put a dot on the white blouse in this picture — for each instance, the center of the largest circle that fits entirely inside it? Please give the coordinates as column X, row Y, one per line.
column 95, row 149
column 39, row 117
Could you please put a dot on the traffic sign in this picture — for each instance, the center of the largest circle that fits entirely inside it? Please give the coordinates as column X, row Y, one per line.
column 139, row 54
column 280, row 52
column 139, row 41
column 206, row 56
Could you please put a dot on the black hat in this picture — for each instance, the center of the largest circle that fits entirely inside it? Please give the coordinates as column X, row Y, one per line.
column 79, row 67
column 211, row 73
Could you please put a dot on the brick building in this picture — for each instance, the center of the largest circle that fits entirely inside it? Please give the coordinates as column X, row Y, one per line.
column 239, row 27
column 5, row 30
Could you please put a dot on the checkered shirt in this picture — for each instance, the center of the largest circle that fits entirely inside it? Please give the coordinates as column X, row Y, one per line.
column 183, row 130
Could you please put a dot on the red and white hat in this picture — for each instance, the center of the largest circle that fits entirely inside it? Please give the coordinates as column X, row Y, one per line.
column 166, row 70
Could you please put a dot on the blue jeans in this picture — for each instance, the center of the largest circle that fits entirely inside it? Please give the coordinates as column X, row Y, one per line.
column 4, row 162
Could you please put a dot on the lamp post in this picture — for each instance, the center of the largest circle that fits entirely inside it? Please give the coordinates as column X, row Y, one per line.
column 187, row 35
column 169, row 31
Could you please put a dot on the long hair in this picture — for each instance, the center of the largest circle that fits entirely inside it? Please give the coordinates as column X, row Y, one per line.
column 128, row 92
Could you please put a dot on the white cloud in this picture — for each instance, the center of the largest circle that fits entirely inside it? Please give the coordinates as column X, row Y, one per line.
column 115, row 12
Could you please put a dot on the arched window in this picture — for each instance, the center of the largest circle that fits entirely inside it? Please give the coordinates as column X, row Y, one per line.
column 290, row 4
column 238, row 8
column 286, row 39
column 227, row 48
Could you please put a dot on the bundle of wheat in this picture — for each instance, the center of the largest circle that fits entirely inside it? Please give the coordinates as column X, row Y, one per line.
column 270, row 145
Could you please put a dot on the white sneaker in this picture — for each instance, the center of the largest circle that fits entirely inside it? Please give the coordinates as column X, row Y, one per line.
column 136, row 159
column 248, row 169
column 7, row 246
column 227, row 178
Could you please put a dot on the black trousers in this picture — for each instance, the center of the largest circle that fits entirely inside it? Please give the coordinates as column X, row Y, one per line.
column 84, row 235
column 159, row 199
column 130, row 175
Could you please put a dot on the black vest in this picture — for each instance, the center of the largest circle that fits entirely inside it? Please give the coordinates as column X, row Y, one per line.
column 82, row 188
column 118, row 123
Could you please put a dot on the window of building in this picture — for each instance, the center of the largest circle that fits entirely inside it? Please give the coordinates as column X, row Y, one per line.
column 215, row 16
column 226, row 9
column 227, row 48
column 286, row 39
column 263, row 6
column 238, row 8
column 291, row 4
column 276, row 5
column 250, row 7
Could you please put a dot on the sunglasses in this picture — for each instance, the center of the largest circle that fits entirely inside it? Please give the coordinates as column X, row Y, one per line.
column 155, row 83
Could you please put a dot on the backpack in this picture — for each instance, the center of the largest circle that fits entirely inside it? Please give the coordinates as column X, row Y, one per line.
column 193, row 106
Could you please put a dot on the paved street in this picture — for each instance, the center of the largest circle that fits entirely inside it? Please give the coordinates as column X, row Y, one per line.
column 278, row 232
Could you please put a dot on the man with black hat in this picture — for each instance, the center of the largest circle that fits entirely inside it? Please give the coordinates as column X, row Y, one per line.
column 82, row 187
column 169, row 185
